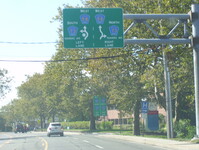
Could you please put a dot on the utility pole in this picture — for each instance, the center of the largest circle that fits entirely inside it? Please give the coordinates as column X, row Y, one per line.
column 168, row 96
column 195, row 33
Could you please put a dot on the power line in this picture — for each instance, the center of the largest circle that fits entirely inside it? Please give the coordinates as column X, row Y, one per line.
column 24, row 43
column 63, row 60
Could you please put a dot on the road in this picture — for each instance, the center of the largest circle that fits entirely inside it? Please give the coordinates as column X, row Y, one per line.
column 72, row 141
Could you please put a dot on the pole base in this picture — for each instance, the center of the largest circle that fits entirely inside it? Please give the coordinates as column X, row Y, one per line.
column 195, row 139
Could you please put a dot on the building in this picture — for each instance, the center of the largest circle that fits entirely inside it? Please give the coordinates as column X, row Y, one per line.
column 123, row 118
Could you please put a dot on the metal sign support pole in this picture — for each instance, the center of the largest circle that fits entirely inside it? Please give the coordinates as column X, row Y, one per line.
column 168, row 96
column 195, row 30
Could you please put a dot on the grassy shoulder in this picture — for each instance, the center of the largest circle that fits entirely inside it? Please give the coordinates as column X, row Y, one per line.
column 130, row 133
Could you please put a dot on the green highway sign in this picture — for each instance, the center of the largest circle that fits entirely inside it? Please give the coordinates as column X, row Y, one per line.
column 93, row 27
column 99, row 106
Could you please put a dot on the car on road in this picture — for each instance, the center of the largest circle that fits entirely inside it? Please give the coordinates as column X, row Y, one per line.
column 55, row 128
column 20, row 127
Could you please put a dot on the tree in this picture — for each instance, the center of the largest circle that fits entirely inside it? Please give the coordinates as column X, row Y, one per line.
column 4, row 82
column 2, row 123
column 31, row 92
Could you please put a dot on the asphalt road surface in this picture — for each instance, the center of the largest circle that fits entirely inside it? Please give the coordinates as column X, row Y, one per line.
column 70, row 141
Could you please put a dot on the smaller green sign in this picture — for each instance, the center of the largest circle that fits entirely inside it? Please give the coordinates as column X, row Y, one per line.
column 99, row 106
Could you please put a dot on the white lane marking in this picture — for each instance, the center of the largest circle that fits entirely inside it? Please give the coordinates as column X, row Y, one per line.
column 93, row 144
column 85, row 141
column 99, row 146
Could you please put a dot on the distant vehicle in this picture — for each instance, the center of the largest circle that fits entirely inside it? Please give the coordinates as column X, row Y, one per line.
column 55, row 128
column 21, row 128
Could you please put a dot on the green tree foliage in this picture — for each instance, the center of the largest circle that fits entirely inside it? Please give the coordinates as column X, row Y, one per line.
column 31, row 94
column 17, row 111
column 183, row 129
column 4, row 82
column 2, row 123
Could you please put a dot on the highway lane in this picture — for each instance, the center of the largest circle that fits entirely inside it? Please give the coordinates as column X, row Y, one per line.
column 4, row 139
column 40, row 141
column 20, row 141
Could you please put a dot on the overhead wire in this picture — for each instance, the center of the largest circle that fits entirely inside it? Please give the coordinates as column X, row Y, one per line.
column 6, row 42
column 80, row 59
column 63, row 60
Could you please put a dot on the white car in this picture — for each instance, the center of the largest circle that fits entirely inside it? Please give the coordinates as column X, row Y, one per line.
column 55, row 128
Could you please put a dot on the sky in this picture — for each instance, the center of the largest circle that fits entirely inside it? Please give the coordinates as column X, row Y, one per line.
column 27, row 21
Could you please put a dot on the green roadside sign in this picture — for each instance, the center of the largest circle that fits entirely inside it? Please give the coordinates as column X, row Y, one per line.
column 99, row 106
column 93, row 28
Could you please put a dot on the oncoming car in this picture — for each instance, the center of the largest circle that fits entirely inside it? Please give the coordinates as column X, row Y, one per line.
column 55, row 128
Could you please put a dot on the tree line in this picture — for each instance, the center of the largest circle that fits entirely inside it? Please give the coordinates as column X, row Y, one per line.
column 125, row 75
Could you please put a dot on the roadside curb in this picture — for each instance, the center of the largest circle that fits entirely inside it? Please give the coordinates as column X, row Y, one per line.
column 164, row 143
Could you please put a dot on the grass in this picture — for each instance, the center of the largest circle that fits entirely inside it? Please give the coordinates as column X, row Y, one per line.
column 130, row 133
column 120, row 132
column 196, row 141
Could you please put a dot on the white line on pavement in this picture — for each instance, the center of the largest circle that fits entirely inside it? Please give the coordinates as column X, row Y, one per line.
column 99, row 146
column 93, row 144
column 85, row 141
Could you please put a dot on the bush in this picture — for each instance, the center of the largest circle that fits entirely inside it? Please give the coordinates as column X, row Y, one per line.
column 107, row 125
column 76, row 125
column 8, row 129
column 183, row 129
column 2, row 124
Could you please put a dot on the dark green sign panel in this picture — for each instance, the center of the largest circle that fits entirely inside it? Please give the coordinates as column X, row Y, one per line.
column 93, row 27
column 99, row 106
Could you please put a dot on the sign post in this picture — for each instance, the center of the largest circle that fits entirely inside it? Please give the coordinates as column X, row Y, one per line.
column 195, row 28
column 93, row 27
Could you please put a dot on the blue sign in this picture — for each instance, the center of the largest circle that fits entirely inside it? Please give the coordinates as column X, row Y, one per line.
column 96, row 100
column 85, row 18
column 99, row 18
column 97, row 107
column 72, row 30
column 103, row 100
column 144, row 106
column 114, row 30
column 153, row 123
